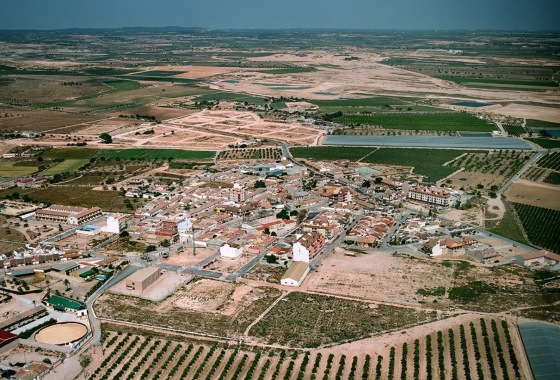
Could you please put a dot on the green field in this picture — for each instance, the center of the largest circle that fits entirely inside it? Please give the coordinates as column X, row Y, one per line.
column 70, row 153
column 537, row 125
column 428, row 162
column 434, row 122
column 160, row 78
column 514, row 130
column 157, row 73
column 550, row 161
column 152, row 154
column 362, row 102
column 547, row 143
column 542, row 225
column 508, row 226
column 553, row 178
column 69, row 166
column 328, row 153
column 8, row 170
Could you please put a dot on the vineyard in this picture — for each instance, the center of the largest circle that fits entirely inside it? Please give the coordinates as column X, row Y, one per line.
column 550, row 161
column 251, row 154
column 514, row 129
column 421, row 121
column 553, row 178
column 542, row 225
column 482, row 349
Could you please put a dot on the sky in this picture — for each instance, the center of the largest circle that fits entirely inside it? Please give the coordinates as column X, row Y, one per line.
column 275, row 14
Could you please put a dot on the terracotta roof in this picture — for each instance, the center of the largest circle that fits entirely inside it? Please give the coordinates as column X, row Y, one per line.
column 541, row 253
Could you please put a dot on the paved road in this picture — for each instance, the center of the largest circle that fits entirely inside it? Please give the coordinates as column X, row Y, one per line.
column 94, row 322
column 520, row 171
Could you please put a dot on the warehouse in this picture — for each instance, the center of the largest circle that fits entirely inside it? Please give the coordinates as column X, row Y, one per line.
column 142, row 279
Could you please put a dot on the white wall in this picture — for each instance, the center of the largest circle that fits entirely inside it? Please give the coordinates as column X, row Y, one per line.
column 300, row 253
column 231, row 252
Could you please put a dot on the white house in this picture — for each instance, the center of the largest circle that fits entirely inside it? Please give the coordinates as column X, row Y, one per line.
column 232, row 251
column 116, row 223
column 295, row 274
column 300, row 253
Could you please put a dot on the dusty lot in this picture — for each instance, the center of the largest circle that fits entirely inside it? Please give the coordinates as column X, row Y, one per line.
column 227, row 265
column 186, row 257
column 536, row 194
column 43, row 121
column 160, row 113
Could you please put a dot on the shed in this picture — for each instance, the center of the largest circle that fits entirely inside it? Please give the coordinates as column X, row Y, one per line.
column 295, row 274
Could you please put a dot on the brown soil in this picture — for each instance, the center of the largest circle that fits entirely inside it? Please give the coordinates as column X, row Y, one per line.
column 536, row 194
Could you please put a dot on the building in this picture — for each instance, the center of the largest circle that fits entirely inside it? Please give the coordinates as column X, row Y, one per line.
column 66, row 268
column 232, row 251
column 539, row 258
column 307, row 246
column 7, row 340
column 68, row 214
column 143, row 278
column 237, row 194
column 431, row 195
column 116, row 223
column 435, row 247
column 295, row 274
column 67, row 305
column 24, row 318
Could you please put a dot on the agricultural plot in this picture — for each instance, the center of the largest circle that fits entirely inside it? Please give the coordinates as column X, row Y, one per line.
column 538, row 125
column 434, row 122
column 547, row 143
column 226, row 319
column 323, row 153
column 541, row 225
column 550, row 161
column 311, row 320
column 553, row 178
column 8, row 169
column 479, row 349
column 70, row 153
column 229, row 96
column 152, row 154
column 251, row 154
column 362, row 102
column 488, row 169
column 514, row 129
column 68, row 166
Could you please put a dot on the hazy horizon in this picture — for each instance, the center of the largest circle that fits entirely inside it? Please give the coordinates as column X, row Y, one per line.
column 496, row 15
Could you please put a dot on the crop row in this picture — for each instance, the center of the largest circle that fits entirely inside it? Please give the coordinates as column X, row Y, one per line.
column 550, row 161
column 486, row 352
column 540, row 224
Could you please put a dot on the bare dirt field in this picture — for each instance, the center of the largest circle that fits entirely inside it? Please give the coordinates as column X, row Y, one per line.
column 42, row 120
column 536, row 194
column 194, row 72
column 61, row 333
column 528, row 112
column 227, row 265
column 159, row 290
column 186, row 257
column 160, row 113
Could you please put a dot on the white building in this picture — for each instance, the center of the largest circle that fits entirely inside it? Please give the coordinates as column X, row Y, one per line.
column 300, row 253
column 232, row 251
column 237, row 194
column 431, row 195
column 116, row 223
column 295, row 274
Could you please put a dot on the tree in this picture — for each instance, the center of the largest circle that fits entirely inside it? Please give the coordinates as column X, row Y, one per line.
column 124, row 234
column 165, row 243
column 366, row 183
column 259, row 184
column 283, row 215
column 267, row 231
column 271, row 259
column 150, row 248
column 378, row 180
column 107, row 139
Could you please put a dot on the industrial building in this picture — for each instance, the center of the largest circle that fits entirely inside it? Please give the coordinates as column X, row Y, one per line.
column 145, row 277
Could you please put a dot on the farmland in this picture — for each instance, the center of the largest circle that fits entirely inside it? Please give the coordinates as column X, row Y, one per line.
column 508, row 226
column 69, row 166
column 514, row 129
column 476, row 348
column 10, row 170
column 70, row 153
column 310, row 320
column 152, row 154
column 553, row 178
column 434, row 122
column 251, row 154
column 547, row 143
column 541, row 225
column 550, row 161
column 428, row 162
column 538, row 125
